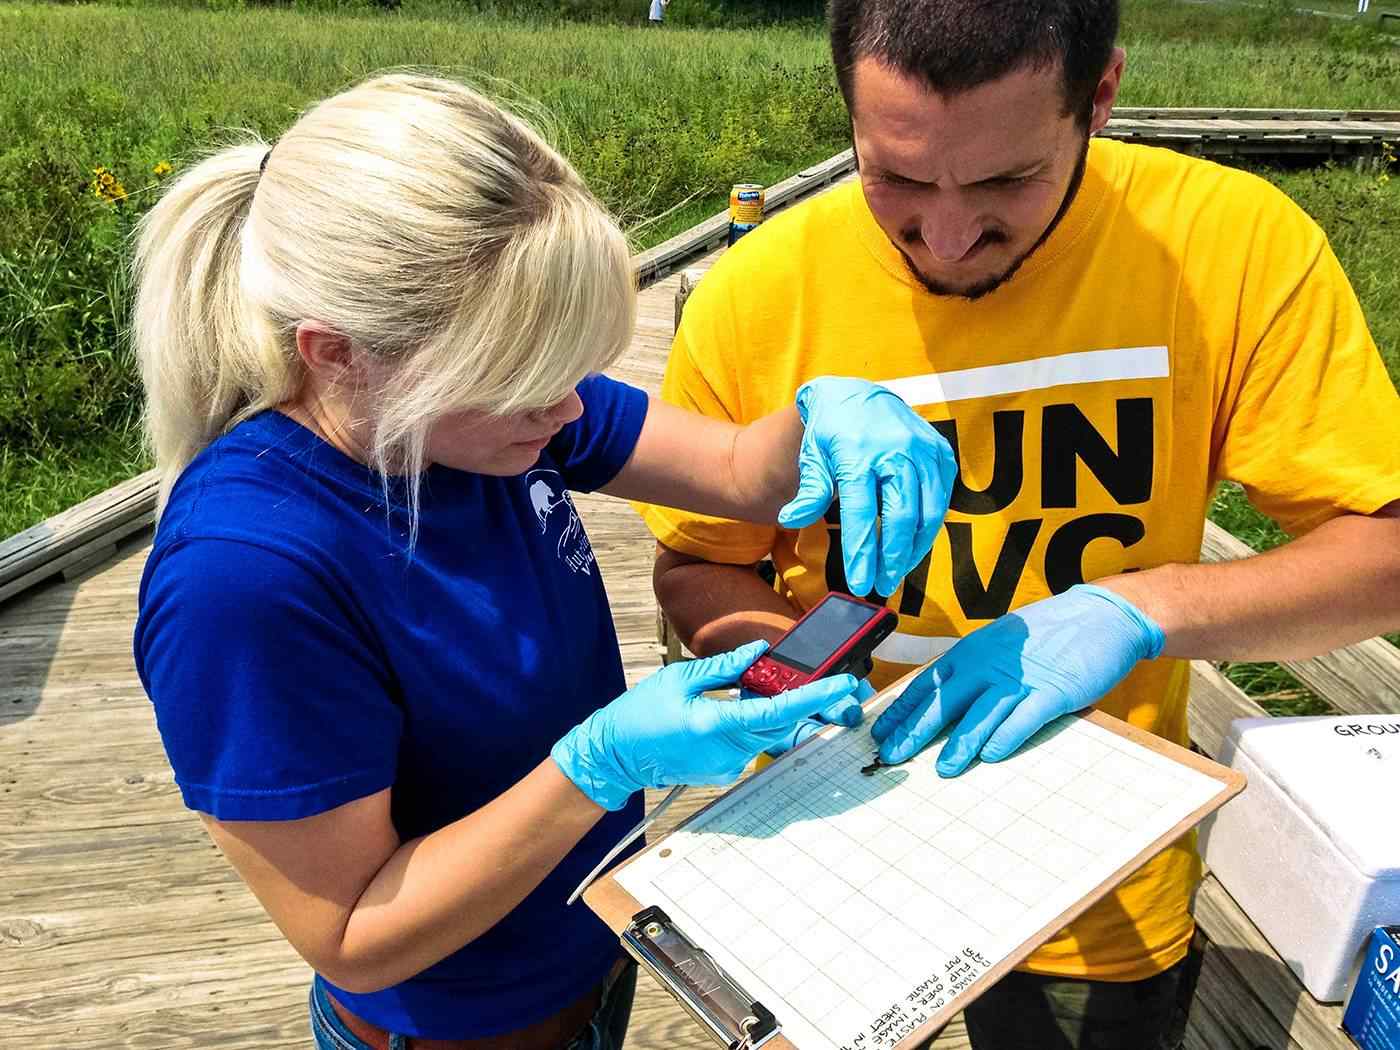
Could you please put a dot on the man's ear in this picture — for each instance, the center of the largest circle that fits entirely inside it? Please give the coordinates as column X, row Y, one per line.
column 326, row 353
column 1106, row 94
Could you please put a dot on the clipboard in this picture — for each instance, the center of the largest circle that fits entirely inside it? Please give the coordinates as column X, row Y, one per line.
column 709, row 980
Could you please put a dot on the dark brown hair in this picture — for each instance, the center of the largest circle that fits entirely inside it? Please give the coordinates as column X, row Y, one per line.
column 954, row 45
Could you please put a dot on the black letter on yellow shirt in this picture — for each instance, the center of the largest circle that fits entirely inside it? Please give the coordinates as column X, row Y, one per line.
column 1067, row 436
column 835, row 562
column 1064, row 554
column 1008, row 465
column 987, row 602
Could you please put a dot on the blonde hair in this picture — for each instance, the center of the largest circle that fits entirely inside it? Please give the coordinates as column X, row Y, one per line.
column 433, row 229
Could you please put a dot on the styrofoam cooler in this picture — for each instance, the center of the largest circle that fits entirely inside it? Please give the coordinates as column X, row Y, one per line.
column 1311, row 849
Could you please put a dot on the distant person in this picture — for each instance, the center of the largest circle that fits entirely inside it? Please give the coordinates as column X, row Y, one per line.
column 1103, row 331
column 372, row 625
column 657, row 12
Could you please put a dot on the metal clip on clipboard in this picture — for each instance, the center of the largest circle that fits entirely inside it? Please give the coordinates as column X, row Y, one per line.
column 689, row 973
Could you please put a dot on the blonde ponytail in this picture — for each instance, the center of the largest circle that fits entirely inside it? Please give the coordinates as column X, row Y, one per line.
column 208, row 359
column 436, row 231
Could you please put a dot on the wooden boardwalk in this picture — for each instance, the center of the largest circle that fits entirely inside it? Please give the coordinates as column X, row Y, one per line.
column 1261, row 134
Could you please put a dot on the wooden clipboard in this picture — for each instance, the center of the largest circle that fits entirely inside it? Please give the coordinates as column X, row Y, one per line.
column 683, row 966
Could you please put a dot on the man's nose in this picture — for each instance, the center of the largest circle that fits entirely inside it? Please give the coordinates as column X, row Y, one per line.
column 950, row 229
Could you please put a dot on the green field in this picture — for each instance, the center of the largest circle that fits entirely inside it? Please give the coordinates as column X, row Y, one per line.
column 659, row 121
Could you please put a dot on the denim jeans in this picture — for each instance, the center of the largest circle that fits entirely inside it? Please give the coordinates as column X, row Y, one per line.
column 606, row 1029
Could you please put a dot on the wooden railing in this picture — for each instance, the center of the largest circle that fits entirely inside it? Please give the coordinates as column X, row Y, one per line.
column 79, row 537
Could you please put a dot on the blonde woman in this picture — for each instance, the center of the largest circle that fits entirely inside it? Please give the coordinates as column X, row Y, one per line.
column 372, row 627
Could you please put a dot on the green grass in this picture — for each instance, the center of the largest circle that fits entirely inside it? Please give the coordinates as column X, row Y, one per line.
column 1275, row 690
column 659, row 121
column 1207, row 55
column 37, row 486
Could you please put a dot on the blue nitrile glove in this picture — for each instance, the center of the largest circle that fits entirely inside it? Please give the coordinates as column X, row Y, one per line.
column 863, row 444
column 663, row 732
column 1004, row 681
column 845, row 712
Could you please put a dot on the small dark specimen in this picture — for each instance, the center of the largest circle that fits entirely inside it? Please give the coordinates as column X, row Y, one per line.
column 877, row 764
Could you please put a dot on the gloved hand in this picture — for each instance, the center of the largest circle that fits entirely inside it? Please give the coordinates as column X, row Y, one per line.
column 866, row 446
column 1004, row 681
column 663, row 732
column 845, row 712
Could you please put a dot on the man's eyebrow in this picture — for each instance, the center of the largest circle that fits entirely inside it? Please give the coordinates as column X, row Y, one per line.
column 1018, row 171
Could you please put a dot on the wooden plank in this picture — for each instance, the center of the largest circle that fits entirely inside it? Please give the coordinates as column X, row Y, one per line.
column 25, row 551
column 1204, row 1030
column 1236, row 1021
column 271, row 1022
column 73, row 940
column 46, row 999
column 1246, row 113
column 1262, row 975
column 1356, row 679
column 1215, row 703
column 1317, row 130
column 43, row 563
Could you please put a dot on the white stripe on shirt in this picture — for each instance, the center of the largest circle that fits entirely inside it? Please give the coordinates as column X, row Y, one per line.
column 1086, row 366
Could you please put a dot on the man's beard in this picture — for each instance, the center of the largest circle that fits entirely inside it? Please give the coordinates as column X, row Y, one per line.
column 990, row 284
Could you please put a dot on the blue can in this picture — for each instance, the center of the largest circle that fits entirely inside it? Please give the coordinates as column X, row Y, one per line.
column 738, row 229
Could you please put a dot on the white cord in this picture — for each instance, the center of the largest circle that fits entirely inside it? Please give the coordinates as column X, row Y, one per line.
column 627, row 840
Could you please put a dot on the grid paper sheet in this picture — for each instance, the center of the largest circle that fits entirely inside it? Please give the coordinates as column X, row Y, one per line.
column 857, row 907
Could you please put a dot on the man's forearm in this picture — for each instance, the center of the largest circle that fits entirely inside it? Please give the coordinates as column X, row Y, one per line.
column 717, row 607
column 1337, row 585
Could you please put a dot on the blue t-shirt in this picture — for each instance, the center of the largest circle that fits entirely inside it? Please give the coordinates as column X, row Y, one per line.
column 299, row 657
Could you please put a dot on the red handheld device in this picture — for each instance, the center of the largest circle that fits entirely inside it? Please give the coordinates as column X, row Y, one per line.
column 836, row 636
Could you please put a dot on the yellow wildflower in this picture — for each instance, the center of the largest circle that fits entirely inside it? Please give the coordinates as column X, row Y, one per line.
column 163, row 168
column 105, row 186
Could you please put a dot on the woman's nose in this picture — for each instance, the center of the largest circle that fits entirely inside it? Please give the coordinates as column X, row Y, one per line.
column 566, row 411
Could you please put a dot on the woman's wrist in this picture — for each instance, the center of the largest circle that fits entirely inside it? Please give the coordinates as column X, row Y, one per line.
column 580, row 760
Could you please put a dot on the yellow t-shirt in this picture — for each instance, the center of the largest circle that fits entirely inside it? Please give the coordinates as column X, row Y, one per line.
column 1184, row 323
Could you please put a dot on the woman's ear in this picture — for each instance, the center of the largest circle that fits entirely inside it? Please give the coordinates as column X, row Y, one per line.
column 325, row 353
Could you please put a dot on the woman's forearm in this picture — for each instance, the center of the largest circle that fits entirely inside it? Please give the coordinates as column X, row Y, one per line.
column 765, row 463
column 439, row 892
column 711, row 466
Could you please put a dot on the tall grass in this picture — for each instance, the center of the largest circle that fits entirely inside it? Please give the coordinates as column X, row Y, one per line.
column 660, row 121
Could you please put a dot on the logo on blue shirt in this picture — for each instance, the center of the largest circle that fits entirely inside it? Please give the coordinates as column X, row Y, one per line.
column 547, row 495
